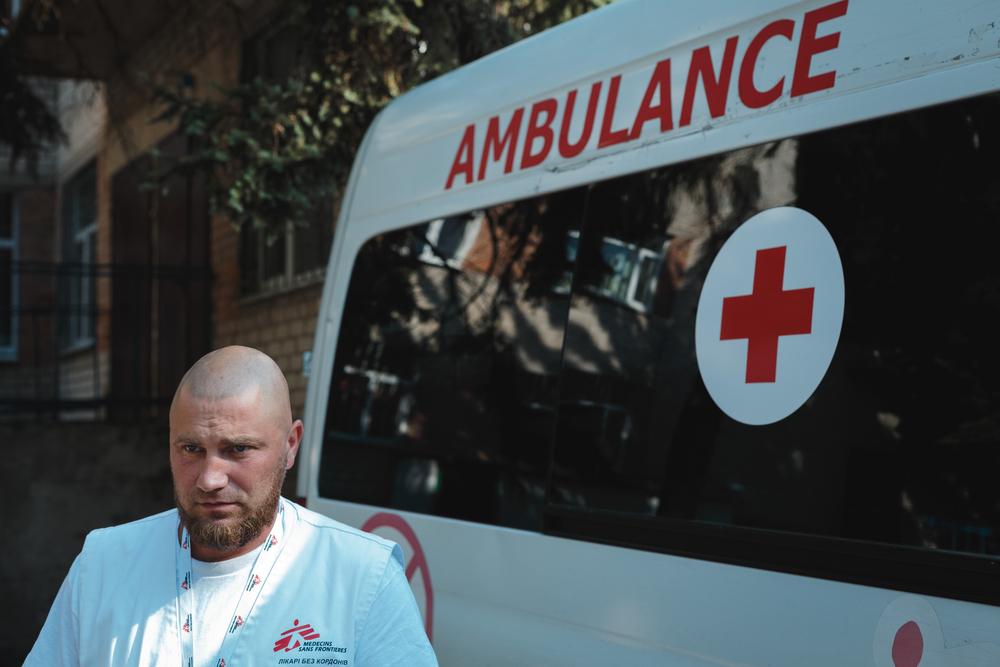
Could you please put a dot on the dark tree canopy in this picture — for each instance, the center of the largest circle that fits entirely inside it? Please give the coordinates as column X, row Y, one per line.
column 28, row 126
column 275, row 145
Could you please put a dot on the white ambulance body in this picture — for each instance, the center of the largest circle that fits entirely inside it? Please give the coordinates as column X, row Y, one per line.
column 504, row 377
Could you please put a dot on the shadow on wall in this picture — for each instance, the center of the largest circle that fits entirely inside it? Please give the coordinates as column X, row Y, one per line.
column 57, row 483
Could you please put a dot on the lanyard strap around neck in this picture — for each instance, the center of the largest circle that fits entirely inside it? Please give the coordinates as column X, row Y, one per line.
column 267, row 555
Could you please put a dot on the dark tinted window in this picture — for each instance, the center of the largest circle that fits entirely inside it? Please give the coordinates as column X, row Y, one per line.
column 445, row 378
column 6, row 296
column 6, row 270
column 901, row 441
column 6, row 216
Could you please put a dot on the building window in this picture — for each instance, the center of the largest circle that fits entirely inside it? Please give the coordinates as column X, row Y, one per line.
column 287, row 259
column 8, row 277
column 630, row 271
column 79, row 247
column 295, row 256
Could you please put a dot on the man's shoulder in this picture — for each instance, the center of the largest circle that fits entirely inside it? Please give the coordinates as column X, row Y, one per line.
column 327, row 530
column 135, row 532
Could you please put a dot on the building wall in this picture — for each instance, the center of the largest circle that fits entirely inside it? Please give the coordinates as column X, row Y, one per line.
column 280, row 324
column 30, row 374
column 114, row 124
column 83, row 115
column 206, row 41
column 196, row 40
column 37, row 231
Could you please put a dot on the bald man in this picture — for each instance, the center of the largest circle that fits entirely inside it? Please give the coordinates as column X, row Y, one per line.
column 235, row 575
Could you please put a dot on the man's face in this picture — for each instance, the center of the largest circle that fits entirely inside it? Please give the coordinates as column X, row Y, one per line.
column 228, row 458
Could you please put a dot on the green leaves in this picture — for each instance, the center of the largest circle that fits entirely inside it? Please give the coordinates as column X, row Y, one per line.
column 278, row 145
column 28, row 126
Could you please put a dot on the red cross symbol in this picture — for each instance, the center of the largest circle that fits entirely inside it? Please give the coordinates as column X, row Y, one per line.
column 766, row 314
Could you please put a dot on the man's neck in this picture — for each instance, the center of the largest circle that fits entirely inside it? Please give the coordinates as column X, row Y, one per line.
column 207, row 554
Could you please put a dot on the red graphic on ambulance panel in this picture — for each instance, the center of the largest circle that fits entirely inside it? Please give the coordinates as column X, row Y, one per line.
column 769, row 315
column 766, row 314
column 909, row 634
column 908, row 645
column 395, row 528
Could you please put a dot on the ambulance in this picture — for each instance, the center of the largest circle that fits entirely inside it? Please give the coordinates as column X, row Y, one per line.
column 668, row 337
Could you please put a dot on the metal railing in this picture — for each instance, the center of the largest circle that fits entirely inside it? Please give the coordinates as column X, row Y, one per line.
column 97, row 341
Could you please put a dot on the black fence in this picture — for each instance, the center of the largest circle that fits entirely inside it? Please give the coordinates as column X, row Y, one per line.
column 100, row 341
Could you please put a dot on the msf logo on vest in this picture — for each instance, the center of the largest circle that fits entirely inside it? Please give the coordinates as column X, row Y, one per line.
column 305, row 632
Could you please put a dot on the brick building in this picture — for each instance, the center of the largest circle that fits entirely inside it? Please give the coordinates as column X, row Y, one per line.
column 48, row 228
column 147, row 279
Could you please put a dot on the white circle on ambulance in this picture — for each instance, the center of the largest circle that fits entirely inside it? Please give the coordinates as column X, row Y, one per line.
column 769, row 315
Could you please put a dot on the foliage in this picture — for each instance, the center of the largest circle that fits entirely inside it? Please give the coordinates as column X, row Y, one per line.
column 284, row 139
column 27, row 125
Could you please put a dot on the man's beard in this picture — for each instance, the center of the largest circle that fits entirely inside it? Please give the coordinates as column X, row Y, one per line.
column 231, row 536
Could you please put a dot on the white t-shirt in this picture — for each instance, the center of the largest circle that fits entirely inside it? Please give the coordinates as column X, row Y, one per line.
column 217, row 589
column 118, row 604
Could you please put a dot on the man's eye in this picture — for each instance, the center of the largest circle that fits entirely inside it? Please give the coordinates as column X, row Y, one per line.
column 190, row 449
column 241, row 449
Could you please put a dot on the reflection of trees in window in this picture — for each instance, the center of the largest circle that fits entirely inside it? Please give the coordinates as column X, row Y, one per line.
column 447, row 362
column 895, row 444
column 648, row 231
column 630, row 372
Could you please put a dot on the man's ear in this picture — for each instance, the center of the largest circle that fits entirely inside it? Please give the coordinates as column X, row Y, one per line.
column 294, row 440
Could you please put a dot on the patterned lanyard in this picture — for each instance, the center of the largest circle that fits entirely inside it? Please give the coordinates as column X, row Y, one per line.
column 267, row 555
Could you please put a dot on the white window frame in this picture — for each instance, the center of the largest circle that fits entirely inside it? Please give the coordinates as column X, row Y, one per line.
column 289, row 278
column 83, row 240
column 643, row 255
column 78, row 335
column 639, row 255
column 9, row 352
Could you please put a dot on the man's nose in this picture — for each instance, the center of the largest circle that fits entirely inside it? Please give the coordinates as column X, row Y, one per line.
column 214, row 475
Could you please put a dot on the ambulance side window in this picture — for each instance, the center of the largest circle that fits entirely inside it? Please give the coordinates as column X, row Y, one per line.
column 630, row 375
column 444, row 383
column 900, row 443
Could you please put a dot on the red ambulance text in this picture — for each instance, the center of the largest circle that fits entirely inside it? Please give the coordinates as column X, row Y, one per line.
column 540, row 137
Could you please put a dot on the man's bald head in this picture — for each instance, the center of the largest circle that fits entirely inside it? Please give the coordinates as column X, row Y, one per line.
column 232, row 371
column 231, row 441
